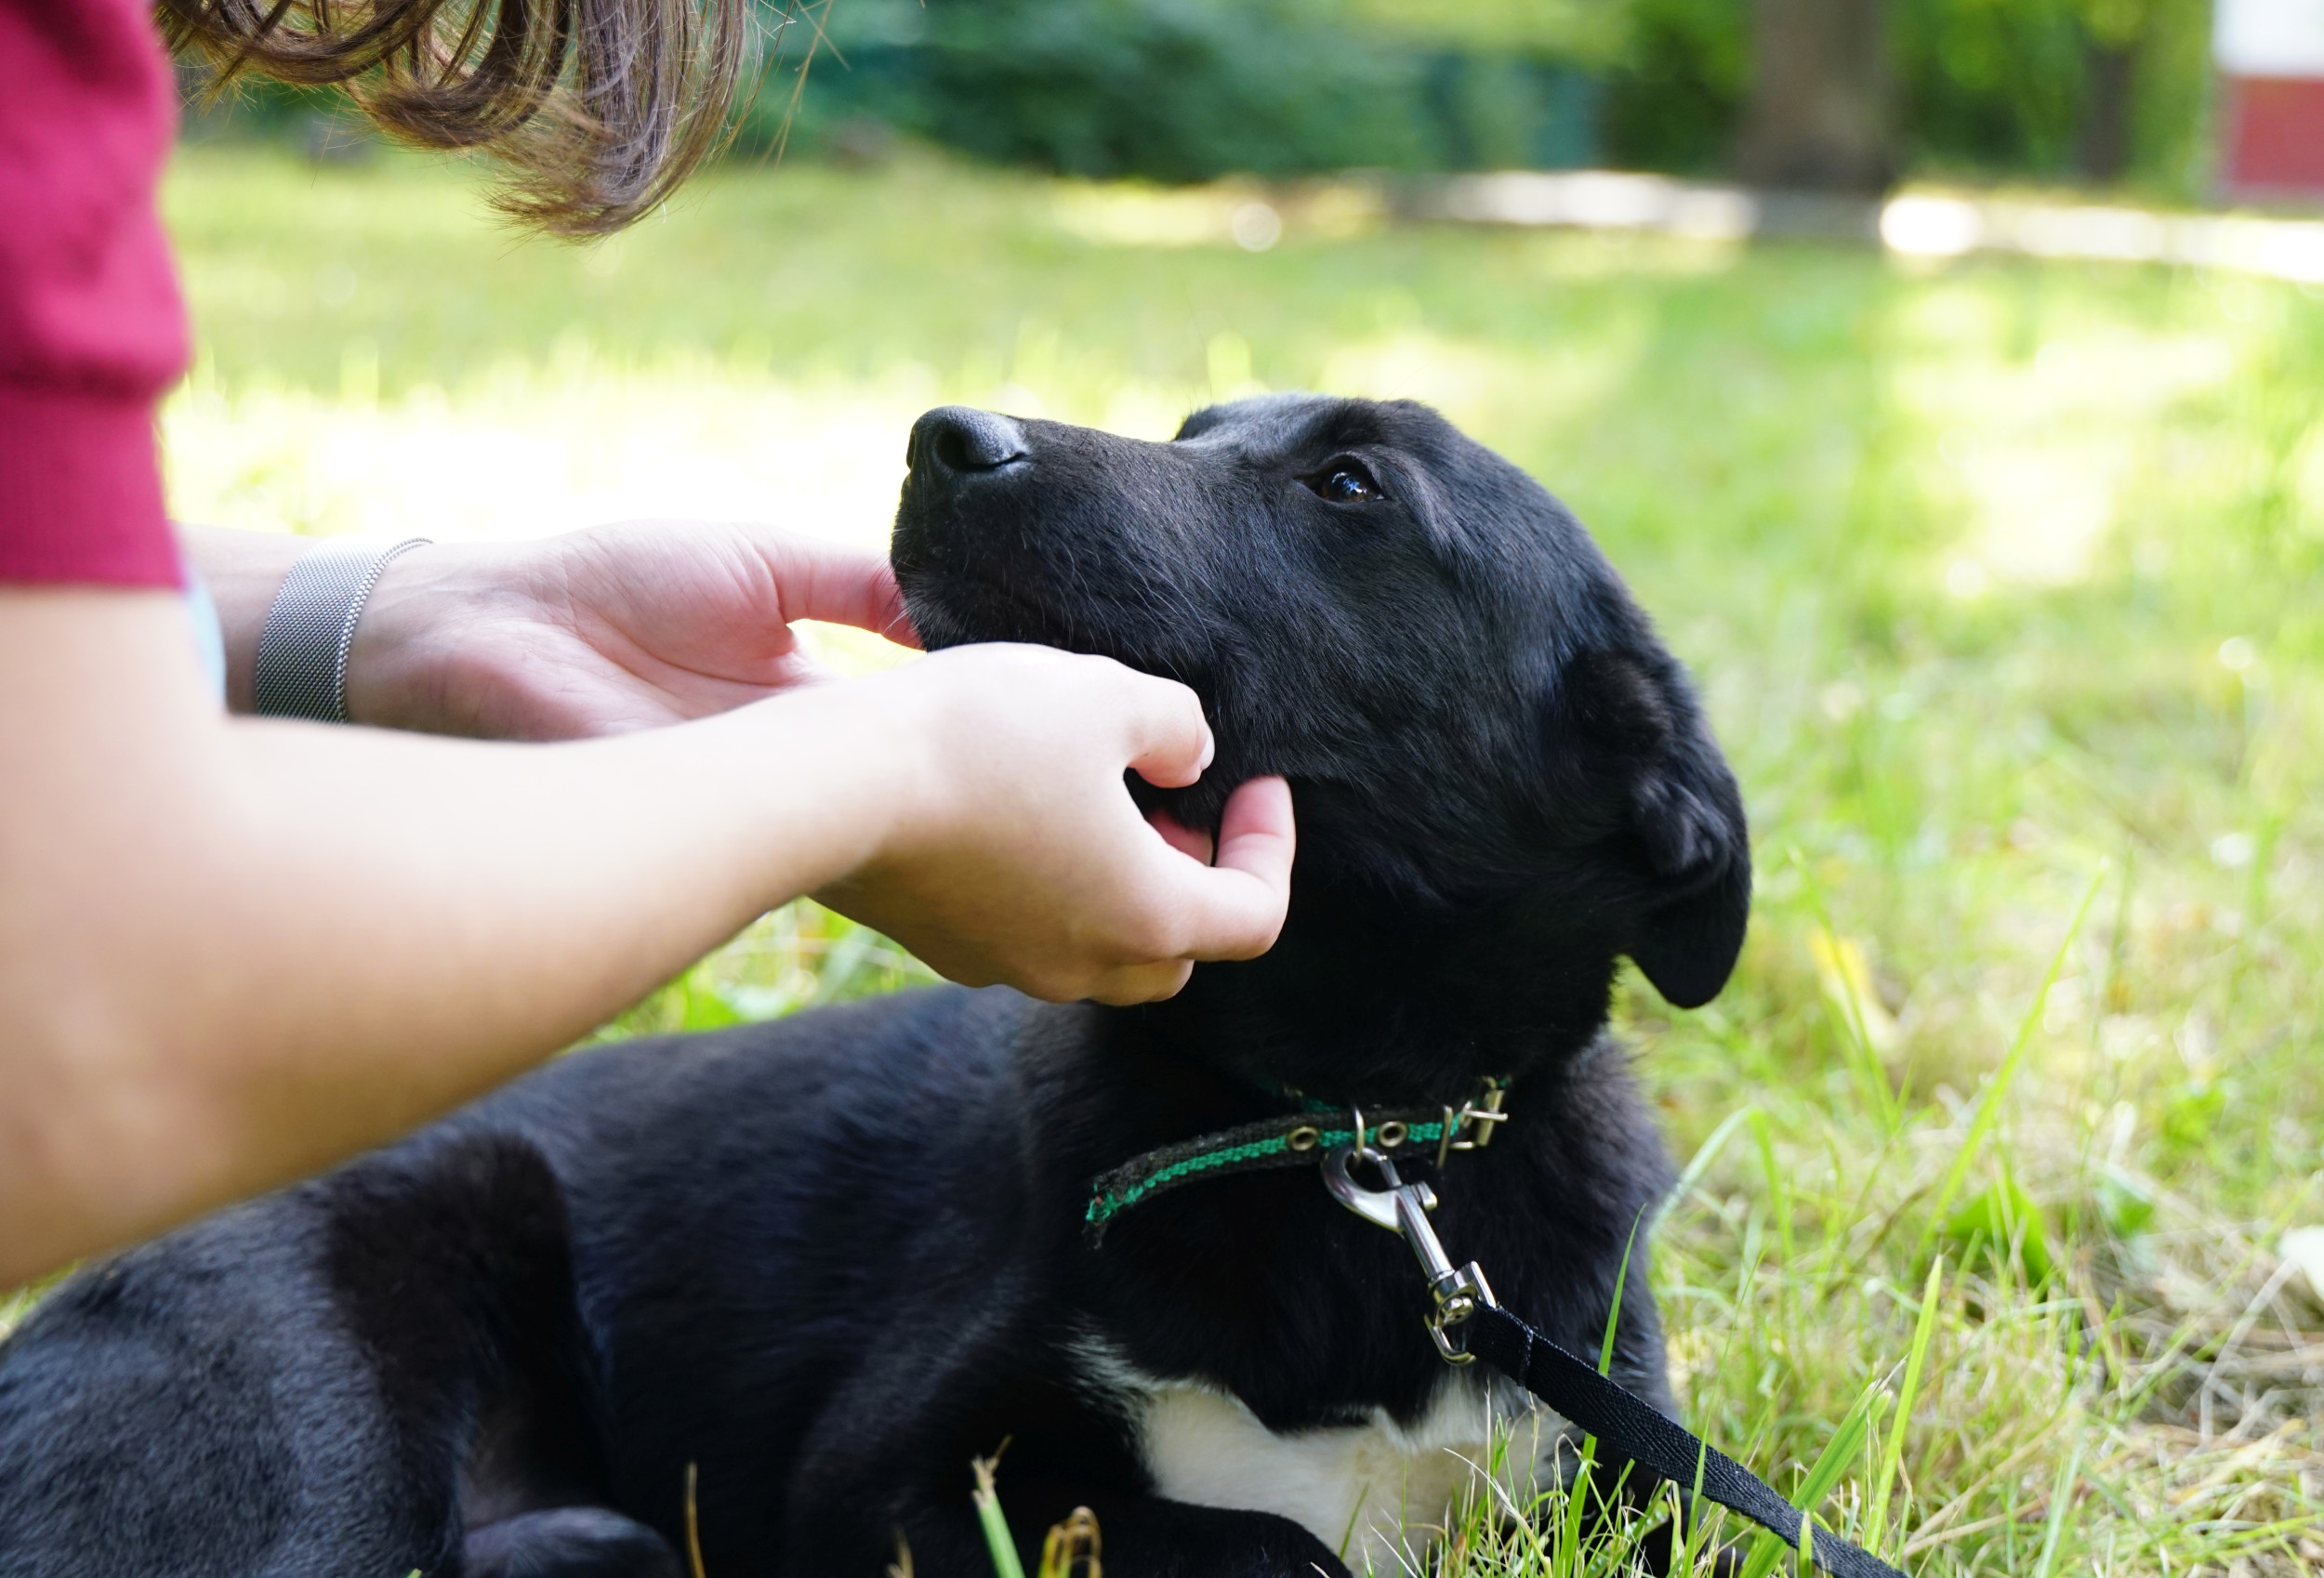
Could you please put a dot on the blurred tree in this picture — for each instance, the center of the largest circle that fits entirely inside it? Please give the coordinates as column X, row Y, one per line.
column 1675, row 91
column 1819, row 113
column 2146, row 76
column 2109, row 90
column 1990, row 84
column 2111, row 32
column 1188, row 89
column 1508, row 82
column 1836, row 94
column 1583, row 31
column 1173, row 90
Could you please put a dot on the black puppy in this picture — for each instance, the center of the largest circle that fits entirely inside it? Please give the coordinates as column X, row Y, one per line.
column 812, row 1268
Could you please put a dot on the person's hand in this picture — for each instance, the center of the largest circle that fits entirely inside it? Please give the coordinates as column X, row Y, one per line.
column 1018, row 855
column 605, row 630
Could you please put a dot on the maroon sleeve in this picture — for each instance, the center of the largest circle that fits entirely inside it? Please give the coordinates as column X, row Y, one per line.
column 90, row 328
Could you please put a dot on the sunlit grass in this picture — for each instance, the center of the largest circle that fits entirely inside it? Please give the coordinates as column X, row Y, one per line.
column 2006, row 582
column 801, row 957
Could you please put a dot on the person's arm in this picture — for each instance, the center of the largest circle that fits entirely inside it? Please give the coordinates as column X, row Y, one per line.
column 233, row 951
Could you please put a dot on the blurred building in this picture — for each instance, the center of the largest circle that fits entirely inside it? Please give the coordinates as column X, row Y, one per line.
column 2270, row 55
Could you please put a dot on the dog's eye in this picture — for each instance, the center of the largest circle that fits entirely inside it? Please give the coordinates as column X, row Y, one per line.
column 1345, row 481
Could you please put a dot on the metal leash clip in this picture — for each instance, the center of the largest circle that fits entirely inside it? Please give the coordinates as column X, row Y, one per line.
column 1403, row 1208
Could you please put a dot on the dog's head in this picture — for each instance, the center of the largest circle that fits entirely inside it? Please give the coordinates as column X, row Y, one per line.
column 1502, row 779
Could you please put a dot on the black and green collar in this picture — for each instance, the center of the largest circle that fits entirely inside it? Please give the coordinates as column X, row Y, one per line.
column 1294, row 1140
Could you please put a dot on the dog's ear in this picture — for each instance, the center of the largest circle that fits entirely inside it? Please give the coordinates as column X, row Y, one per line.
column 1684, row 814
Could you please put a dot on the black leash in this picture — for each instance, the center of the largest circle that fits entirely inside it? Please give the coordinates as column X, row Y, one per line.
column 1464, row 1302
column 1573, row 1386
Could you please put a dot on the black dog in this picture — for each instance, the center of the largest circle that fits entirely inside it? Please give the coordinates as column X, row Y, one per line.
column 812, row 1268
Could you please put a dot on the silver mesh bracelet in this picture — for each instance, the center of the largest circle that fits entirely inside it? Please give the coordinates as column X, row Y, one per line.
column 301, row 668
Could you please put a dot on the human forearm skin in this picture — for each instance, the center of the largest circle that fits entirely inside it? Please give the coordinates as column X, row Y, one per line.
column 242, row 570
column 232, row 951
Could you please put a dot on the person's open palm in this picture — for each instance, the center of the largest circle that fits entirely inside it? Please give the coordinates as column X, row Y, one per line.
column 602, row 631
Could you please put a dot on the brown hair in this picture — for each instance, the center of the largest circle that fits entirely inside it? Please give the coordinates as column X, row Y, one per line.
column 597, row 107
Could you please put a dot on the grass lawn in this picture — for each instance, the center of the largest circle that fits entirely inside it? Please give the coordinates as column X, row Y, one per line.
column 2005, row 582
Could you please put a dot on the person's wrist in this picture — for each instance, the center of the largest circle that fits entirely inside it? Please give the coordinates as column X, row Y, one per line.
column 404, row 665
column 880, row 737
column 898, row 724
column 243, row 571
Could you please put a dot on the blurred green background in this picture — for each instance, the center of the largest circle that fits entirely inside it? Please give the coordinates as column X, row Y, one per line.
column 2088, row 90
column 2114, row 92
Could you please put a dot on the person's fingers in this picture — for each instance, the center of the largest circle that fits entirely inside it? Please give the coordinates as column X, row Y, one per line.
column 1191, row 842
column 839, row 584
column 1170, row 741
column 1257, row 833
column 1238, row 905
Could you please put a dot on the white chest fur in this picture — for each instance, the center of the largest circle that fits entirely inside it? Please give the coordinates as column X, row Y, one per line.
column 1378, row 1493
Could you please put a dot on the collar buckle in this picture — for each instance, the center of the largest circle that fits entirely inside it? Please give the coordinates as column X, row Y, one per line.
column 1477, row 1117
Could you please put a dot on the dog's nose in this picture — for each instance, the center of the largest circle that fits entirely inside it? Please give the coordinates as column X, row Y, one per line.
column 960, row 438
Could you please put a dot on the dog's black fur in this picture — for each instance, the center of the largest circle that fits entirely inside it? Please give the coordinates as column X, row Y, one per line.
column 830, row 1259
